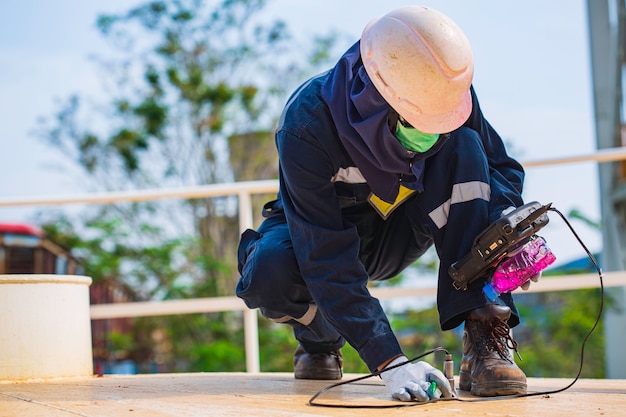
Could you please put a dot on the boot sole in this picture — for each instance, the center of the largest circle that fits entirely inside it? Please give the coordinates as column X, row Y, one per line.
column 497, row 389
column 330, row 374
column 491, row 389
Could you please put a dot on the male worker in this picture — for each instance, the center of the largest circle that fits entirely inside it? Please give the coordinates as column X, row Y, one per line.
column 381, row 157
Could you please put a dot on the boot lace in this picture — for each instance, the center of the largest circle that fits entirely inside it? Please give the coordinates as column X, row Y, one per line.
column 497, row 338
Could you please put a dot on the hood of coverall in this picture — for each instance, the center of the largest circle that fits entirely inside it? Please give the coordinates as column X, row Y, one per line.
column 361, row 116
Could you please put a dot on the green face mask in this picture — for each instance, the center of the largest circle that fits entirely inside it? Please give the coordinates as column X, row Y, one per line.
column 414, row 140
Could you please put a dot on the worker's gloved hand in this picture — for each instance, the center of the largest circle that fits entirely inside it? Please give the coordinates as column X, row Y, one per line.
column 413, row 381
column 525, row 286
column 531, row 256
column 531, row 253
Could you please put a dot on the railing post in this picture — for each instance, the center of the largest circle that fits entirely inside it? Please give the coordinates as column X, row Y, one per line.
column 251, row 329
column 251, row 325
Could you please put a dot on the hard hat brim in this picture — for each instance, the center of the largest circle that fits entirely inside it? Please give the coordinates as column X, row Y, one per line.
column 436, row 123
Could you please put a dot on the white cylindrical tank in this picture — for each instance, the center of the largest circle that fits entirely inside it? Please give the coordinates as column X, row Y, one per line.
column 45, row 329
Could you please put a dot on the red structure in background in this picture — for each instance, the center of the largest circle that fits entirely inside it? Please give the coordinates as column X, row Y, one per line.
column 24, row 249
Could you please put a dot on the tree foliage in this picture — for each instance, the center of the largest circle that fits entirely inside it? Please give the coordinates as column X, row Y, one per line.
column 194, row 90
column 553, row 329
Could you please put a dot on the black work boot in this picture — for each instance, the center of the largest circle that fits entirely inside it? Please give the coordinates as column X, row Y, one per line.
column 487, row 368
column 317, row 365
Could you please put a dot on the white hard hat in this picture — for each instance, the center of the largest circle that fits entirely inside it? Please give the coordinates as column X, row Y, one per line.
column 421, row 62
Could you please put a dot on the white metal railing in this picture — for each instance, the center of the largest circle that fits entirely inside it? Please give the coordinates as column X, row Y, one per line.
column 217, row 304
column 244, row 191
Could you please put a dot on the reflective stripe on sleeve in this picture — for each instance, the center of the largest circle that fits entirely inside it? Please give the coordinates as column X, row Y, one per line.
column 350, row 175
column 461, row 193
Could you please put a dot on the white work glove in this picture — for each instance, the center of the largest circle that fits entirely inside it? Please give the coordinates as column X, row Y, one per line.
column 413, row 381
column 525, row 286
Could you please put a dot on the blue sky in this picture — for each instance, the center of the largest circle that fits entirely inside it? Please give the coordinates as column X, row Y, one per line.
column 532, row 76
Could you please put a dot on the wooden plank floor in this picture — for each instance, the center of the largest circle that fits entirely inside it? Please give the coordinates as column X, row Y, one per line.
column 280, row 395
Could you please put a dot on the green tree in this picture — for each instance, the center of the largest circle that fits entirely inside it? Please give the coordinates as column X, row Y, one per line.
column 554, row 326
column 195, row 90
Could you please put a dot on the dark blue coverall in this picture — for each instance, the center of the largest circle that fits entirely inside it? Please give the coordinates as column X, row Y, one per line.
column 309, row 262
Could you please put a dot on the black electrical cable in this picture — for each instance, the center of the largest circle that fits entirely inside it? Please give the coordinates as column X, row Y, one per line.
column 441, row 349
column 373, row 374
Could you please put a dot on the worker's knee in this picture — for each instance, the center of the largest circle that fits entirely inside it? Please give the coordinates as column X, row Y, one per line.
column 466, row 142
column 462, row 158
column 267, row 266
